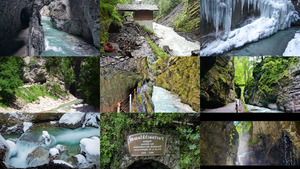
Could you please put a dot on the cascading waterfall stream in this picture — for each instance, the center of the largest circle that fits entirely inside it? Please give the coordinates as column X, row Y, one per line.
column 164, row 101
column 275, row 15
column 70, row 138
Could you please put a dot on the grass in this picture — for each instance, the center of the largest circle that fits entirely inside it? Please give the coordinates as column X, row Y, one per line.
column 157, row 50
column 146, row 29
column 32, row 93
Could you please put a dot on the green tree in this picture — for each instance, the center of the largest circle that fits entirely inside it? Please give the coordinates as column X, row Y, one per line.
column 11, row 72
column 89, row 80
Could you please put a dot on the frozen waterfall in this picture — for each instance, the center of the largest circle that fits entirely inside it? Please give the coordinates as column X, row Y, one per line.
column 274, row 15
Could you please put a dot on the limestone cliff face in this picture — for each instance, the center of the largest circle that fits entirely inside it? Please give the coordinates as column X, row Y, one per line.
column 217, row 81
column 180, row 75
column 218, row 143
column 274, row 143
column 285, row 93
column 78, row 17
column 289, row 96
column 121, row 76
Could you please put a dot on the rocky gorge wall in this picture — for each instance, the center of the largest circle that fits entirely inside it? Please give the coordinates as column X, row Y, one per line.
column 284, row 95
column 274, row 143
column 121, row 76
column 21, row 15
column 219, row 143
column 181, row 76
column 217, row 81
column 77, row 17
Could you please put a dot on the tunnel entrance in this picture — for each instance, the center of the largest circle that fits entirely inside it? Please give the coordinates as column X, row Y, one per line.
column 147, row 164
column 25, row 18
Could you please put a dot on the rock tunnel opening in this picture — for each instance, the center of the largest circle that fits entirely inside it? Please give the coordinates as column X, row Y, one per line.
column 147, row 164
column 25, row 18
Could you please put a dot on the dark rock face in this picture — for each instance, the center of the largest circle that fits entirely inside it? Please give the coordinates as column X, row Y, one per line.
column 78, row 17
column 289, row 96
column 219, row 143
column 129, row 40
column 217, row 81
column 119, row 76
column 4, row 151
column 20, row 15
column 274, row 143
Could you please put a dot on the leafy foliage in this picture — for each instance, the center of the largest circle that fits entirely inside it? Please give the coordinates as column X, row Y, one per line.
column 108, row 15
column 11, row 72
column 89, row 80
column 157, row 50
column 61, row 67
column 115, row 125
column 189, row 19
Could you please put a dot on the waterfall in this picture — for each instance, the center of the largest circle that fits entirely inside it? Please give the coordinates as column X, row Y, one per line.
column 290, row 154
column 275, row 15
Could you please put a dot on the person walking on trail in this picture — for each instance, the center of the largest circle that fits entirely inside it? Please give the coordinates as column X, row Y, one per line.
column 237, row 105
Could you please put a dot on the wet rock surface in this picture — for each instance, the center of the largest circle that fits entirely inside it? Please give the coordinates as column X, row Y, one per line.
column 77, row 17
column 217, row 81
column 119, row 76
column 219, row 143
column 181, row 76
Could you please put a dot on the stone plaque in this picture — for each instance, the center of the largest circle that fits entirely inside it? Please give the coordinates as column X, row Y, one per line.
column 147, row 144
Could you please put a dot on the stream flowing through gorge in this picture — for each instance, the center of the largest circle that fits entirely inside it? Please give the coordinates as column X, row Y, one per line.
column 164, row 101
column 178, row 44
column 257, row 109
column 70, row 138
column 59, row 43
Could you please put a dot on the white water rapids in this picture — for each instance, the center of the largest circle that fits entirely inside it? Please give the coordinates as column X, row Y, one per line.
column 164, row 101
column 178, row 44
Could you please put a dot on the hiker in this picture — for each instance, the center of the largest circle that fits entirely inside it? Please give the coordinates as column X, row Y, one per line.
column 237, row 105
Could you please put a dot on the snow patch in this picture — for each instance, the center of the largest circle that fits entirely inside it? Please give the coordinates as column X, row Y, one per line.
column 62, row 162
column 54, row 152
column 27, row 126
column 81, row 161
column 91, row 120
column 293, row 47
column 71, row 118
column 47, row 138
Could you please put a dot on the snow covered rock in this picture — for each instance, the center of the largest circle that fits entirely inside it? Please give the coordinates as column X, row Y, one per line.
column 4, row 149
column 91, row 148
column 91, row 119
column 81, row 161
column 47, row 138
column 54, row 152
column 13, row 148
column 62, row 162
column 72, row 120
column 293, row 47
column 61, row 148
column 27, row 126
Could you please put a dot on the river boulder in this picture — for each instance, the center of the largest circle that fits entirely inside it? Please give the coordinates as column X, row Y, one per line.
column 38, row 157
column 4, row 150
column 90, row 148
column 72, row 120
